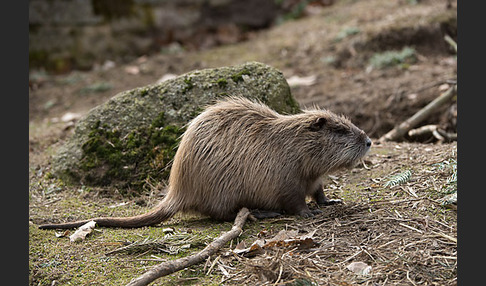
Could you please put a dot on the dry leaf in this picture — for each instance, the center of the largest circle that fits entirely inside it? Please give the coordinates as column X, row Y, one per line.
column 444, row 87
column 241, row 245
column 262, row 233
column 119, row 205
column 290, row 239
column 82, row 231
column 301, row 81
column 252, row 251
column 284, row 234
column 108, row 65
column 133, row 70
column 283, row 239
column 63, row 234
column 166, row 77
column 142, row 59
column 359, row 268
column 70, row 116
column 305, row 243
column 168, row 230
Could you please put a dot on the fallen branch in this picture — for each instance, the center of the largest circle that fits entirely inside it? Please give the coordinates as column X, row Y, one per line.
column 399, row 131
column 172, row 266
column 432, row 130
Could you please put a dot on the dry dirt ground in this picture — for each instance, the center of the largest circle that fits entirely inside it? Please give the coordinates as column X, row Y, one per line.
column 394, row 217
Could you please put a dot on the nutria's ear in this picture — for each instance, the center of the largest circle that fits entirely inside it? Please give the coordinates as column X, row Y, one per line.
column 318, row 124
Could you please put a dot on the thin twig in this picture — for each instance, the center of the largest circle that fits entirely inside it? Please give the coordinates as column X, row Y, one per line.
column 408, row 278
column 279, row 275
column 451, row 42
column 352, row 256
column 411, row 227
column 399, row 131
column 213, row 264
column 446, row 236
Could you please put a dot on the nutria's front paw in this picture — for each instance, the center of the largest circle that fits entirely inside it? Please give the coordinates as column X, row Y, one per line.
column 306, row 213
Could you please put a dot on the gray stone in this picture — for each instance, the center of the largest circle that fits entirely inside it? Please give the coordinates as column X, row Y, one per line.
column 133, row 137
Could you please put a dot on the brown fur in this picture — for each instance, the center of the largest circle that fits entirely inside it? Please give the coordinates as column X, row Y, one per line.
column 239, row 153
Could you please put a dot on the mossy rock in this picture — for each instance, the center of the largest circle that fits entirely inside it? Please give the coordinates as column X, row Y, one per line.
column 131, row 139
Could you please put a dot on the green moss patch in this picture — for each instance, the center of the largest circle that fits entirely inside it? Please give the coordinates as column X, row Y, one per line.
column 188, row 84
column 222, row 82
column 393, row 58
column 130, row 160
column 238, row 77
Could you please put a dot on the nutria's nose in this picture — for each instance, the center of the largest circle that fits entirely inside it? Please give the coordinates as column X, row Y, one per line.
column 368, row 142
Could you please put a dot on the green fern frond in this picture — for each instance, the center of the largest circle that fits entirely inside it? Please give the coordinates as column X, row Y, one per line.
column 453, row 177
column 446, row 166
column 399, row 179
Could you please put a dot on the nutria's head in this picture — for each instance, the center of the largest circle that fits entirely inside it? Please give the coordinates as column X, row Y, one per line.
column 334, row 141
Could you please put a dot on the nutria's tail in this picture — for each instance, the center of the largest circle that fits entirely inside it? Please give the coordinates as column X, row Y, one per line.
column 162, row 212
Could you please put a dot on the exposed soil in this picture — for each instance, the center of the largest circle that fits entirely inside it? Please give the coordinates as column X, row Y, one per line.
column 319, row 45
column 406, row 232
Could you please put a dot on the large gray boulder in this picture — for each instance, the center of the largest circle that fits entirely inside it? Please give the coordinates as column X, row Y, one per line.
column 132, row 138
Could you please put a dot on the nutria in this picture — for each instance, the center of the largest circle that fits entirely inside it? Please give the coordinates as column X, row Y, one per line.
column 240, row 153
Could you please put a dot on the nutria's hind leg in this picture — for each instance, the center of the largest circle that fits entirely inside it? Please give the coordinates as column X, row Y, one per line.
column 297, row 206
column 262, row 214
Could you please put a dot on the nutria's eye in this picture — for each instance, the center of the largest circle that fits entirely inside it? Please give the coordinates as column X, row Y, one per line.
column 318, row 124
